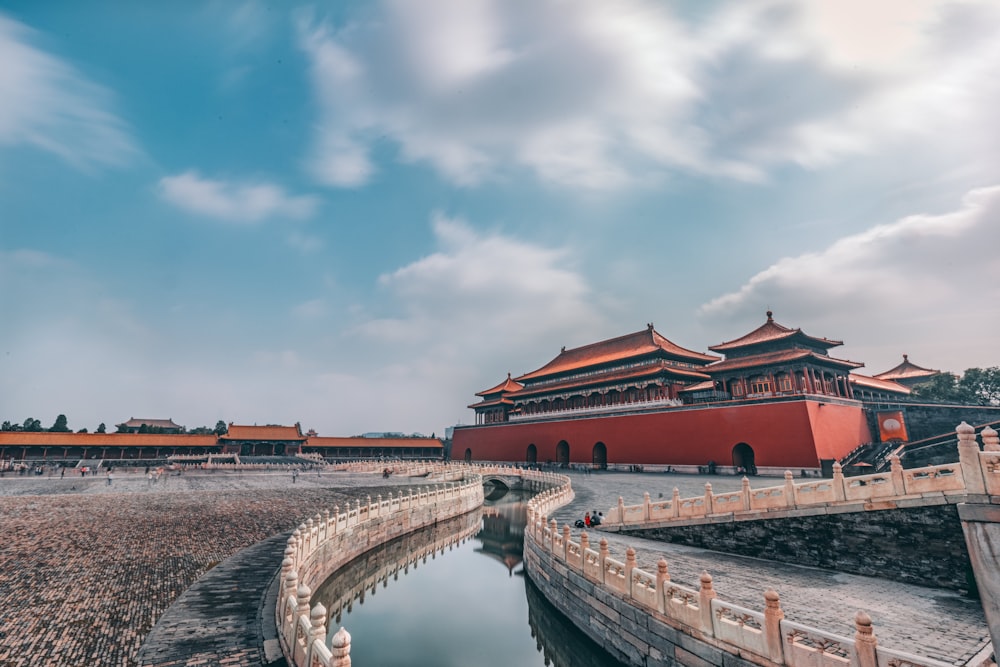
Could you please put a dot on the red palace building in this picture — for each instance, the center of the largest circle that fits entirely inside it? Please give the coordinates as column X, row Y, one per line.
column 778, row 400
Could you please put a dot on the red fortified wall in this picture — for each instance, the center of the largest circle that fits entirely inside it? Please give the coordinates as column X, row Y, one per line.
column 792, row 434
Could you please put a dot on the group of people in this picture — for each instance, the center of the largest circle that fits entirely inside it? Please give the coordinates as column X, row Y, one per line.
column 589, row 519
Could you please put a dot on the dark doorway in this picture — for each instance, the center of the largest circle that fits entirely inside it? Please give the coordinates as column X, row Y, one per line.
column 743, row 459
column 468, row 456
column 531, row 456
column 562, row 452
column 600, row 457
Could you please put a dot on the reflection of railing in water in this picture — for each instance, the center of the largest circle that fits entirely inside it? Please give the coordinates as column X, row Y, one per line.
column 386, row 562
column 502, row 535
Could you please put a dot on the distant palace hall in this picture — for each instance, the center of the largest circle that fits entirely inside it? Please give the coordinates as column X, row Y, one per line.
column 775, row 398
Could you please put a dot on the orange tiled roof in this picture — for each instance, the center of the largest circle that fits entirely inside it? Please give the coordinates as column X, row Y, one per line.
column 906, row 370
column 772, row 331
column 491, row 402
column 651, row 370
column 507, row 385
column 877, row 383
column 701, row 386
column 781, row 356
column 637, row 344
column 45, row 439
column 240, row 432
column 374, row 442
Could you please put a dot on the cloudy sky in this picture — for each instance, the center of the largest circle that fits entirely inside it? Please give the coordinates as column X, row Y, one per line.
column 356, row 215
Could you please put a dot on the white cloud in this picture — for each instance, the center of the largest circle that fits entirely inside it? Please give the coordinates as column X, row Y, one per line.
column 234, row 202
column 610, row 95
column 49, row 105
column 925, row 283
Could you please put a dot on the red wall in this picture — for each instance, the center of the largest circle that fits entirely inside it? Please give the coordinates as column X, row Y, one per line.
column 794, row 434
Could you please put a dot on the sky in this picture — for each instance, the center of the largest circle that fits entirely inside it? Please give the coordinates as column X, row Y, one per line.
column 357, row 215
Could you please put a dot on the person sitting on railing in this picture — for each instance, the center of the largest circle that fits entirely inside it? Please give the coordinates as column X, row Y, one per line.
column 595, row 518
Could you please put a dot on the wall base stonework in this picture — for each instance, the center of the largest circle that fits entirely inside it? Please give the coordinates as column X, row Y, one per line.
column 917, row 545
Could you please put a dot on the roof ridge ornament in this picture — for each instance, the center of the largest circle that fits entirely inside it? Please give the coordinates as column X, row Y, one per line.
column 770, row 315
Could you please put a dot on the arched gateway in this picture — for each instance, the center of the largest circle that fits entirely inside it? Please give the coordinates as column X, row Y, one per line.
column 562, row 452
column 600, row 456
column 743, row 459
column 531, row 456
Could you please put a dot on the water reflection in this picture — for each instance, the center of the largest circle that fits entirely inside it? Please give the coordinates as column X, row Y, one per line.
column 461, row 610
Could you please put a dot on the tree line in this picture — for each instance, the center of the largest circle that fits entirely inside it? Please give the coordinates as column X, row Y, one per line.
column 976, row 386
column 61, row 425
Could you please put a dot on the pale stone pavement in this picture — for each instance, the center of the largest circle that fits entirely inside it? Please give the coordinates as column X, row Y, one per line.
column 929, row 622
column 86, row 570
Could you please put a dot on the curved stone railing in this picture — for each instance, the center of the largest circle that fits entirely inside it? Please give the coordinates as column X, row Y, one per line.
column 762, row 637
column 329, row 540
column 976, row 473
column 326, row 542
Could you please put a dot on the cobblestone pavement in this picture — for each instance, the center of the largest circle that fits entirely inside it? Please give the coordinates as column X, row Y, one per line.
column 86, row 570
column 930, row 622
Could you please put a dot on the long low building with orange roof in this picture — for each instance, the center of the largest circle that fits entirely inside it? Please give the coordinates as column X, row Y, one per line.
column 241, row 440
column 778, row 400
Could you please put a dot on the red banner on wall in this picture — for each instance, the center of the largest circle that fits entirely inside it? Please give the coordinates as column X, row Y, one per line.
column 891, row 426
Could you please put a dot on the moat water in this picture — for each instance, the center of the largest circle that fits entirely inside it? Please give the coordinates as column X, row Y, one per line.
column 455, row 594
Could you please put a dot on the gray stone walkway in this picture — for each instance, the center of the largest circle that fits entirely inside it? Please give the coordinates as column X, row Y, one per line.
column 930, row 622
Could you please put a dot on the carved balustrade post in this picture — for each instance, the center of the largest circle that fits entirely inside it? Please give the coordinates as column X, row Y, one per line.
column 378, row 504
column 968, row 456
column 896, row 470
column 553, row 532
column 675, row 503
column 584, row 544
column 291, row 586
column 302, row 607
column 772, row 626
column 662, row 577
column 745, row 493
column 340, row 648
column 839, row 491
column 317, row 630
column 326, row 524
column 603, row 556
column 705, row 597
column 789, row 489
column 621, row 510
column 540, row 529
column 645, row 506
column 566, row 543
column 864, row 640
column 991, row 440
column 629, row 566
column 310, row 534
column 708, row 499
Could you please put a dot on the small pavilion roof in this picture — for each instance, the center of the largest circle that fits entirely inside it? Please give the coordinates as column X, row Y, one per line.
column 701, row 386
column 160, row 423
column 507, row 385
column 241, row 432
column 631, row 345
column 772, row 331
column 906, row 371
column 876, row 383
column 778, row 357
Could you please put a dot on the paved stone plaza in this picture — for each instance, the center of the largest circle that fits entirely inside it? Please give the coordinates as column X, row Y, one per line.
column 86, row 570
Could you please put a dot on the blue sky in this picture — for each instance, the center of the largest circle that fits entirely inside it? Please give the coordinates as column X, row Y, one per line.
column 356, row 215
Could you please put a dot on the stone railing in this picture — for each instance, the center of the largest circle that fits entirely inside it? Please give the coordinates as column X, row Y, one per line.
column 976, row 473
column 762, row 637
column 329, row 540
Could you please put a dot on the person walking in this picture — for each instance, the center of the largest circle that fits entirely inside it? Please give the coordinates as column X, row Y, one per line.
column 109, row 477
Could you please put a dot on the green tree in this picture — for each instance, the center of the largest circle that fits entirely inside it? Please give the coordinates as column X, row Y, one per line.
column 32, row 424
column 982, row 385
column 82, row 430
column 144, row 428
column 221, row 428
column 122, row 429
column 61, row 425
column 101, row 428
column 7, row 426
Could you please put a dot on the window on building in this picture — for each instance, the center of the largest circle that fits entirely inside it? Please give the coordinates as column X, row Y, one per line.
column 784, row 382
column 760, row 385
